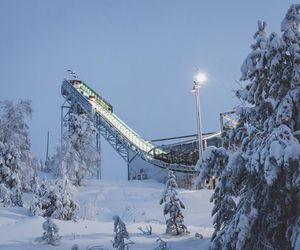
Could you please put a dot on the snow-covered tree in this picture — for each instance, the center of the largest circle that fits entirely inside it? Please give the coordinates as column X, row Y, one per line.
column 75, row 247
column 50, row 236
column 162, row 245
column 55, row 199
column 17, row 165
column 172, row 207
column 78, row 156
column 120, row 233
column 257, row 198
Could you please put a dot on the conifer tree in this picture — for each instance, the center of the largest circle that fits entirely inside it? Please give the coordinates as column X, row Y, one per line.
column 260, row 167
column 17, row 164
column 172, row 207
column 55, row 199
column 50, row 236
column 120, row 233
column 162, row 245
column 78, row 156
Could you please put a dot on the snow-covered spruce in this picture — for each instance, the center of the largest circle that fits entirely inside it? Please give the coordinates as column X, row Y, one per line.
column 172, row 207
column 198, row 236
column 50, row 236
column 78, row 156
column 120, row 234
column 261, row 165
column 75, row 247
column 213, row 162
column 55, row 199
column 162, row 245
column 17, row 165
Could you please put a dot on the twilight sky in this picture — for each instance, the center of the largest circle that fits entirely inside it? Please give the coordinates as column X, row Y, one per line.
column 140, row 55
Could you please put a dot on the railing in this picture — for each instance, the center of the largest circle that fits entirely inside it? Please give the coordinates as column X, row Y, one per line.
column 127, row 133
column 102, row 107
column 68, row 88
column 90, row 92
column 296, row 133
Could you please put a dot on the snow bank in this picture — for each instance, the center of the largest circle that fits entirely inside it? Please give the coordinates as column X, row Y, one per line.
column 137, row 203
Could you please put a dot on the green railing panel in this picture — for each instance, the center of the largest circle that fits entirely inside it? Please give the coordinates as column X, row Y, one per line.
column 105, row 110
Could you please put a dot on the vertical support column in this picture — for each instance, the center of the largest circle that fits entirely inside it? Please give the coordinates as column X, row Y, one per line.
column 64, row 118
column 221, row 122
column 47, row 152
column 199, row 122
column 205, row 143
column 128, row 175
column 128, row 165
column 47, row 149
column 98, row 145
column 61, row 123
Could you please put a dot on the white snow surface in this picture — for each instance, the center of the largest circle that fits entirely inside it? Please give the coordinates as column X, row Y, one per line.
column 137, row 204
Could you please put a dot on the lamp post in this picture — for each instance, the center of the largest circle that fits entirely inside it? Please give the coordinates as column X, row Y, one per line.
column 199, row 80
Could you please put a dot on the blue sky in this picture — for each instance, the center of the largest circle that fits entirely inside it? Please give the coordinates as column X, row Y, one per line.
column 140, row 55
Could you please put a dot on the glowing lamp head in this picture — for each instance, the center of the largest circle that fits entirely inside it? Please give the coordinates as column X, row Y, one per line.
column 200, row 78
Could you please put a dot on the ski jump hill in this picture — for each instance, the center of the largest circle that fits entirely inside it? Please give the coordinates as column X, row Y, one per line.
column 144, row 159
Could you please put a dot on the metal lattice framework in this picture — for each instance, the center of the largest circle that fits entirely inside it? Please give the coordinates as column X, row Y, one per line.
column 228, row 120
column 79, row 97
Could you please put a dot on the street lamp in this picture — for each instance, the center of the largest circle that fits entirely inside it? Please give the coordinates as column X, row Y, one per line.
column 200, row 78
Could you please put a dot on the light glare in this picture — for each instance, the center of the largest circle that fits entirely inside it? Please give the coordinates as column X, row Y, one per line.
column 200, row 78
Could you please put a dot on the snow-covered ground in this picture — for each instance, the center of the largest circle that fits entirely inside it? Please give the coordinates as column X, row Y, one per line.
column 136, row 202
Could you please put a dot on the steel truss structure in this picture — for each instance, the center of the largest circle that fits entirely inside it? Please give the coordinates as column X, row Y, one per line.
column 143, row 158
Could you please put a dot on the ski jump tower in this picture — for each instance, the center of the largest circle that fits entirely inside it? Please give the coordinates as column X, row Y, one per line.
column 144, row 159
